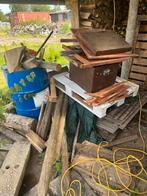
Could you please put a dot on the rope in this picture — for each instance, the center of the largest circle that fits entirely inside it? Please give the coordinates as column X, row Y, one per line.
column 116, row 164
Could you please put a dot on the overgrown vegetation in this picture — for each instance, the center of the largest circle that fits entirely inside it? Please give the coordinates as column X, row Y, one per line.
column 65, row 28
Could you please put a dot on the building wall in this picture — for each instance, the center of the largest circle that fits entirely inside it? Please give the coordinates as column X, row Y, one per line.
column 22, row 17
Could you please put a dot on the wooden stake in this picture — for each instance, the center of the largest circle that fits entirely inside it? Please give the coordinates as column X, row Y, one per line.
column 75, row 141
column 61, row 129
column 50, row 154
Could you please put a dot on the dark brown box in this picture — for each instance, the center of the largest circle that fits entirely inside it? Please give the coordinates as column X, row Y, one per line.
column 95, row 78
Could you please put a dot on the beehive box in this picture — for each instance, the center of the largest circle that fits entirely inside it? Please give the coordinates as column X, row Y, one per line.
column 95, row 78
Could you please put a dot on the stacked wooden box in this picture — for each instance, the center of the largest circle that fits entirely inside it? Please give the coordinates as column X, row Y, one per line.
column 94, row 60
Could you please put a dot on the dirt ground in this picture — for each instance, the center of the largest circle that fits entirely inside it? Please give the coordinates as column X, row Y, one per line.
column 17, row 40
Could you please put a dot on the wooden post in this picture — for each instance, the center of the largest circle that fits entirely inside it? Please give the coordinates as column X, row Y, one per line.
column 74, row 4
column 50, row 154
column 130, row 33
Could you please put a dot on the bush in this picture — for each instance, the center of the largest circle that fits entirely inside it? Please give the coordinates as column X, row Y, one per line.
column 65, row 28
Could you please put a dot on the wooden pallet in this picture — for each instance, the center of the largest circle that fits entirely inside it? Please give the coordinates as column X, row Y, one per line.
column 120, row 117
column 138, row 73
column 74, row 91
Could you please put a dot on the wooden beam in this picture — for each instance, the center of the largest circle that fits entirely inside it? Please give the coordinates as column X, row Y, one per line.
column 74, row 4
column 13, row 168
column 48, row 2
column 50, row 154
column 130, row 34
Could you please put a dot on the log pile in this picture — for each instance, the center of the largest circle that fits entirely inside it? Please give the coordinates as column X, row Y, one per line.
column 101, row 15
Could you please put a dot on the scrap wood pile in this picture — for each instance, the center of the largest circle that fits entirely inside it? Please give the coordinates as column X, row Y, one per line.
column 115, row 92
column 107, row 173
column 22, row 58
column 96, row 48
column 94, row 63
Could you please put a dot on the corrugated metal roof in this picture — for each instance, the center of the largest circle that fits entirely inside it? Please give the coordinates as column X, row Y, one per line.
column 51, row 2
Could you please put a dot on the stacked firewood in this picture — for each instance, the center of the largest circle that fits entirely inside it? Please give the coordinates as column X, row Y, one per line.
column 102, row 14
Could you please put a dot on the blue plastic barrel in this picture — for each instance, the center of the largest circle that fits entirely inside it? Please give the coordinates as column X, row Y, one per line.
column 29, row 89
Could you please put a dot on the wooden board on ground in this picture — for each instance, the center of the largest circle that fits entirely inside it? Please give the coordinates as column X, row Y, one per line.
column 10, row 134
column 21, row 123
column 120, row 117
column 13, row 169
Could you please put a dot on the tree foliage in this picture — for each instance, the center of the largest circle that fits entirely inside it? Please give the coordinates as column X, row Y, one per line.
column 40, row 8
column 19, row 7
column 3, row 17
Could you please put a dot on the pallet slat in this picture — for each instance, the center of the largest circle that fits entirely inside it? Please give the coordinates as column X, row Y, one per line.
column 142, row 36
column 140, row 61
column 143, row 28
column 138, row 76
column 142, row 45
column 139, row 69
column 142, row 53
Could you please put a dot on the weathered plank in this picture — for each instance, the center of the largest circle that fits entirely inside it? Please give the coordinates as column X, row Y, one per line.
column 13, row 169
column 11, row 134
column 139, row 69
column 140, row 61
column 138, row 76
column 50, row 154
column 143, row 28
column 36, row 141
column 21, row 123
column 142, row 45
column 142, row 36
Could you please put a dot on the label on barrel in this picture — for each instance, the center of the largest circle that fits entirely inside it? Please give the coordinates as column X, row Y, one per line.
column 41, row 97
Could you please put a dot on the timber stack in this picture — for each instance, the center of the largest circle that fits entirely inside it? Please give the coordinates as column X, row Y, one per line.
column 94, row 63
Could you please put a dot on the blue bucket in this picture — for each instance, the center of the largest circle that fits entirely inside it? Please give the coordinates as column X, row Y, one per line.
column 29, row 88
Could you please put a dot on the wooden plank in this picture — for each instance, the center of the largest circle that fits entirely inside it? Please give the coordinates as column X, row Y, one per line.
column 122, row 140
column 140, row 61
column 102, row 62
column 143, row 53
column 139, row 69
column 142, row 37
column 74, row 13
column 10, row 134
column 13, row 169
column 46, row 121
column 36, row 141
column 138, row 76
column 21, row 123
column 53, row 93
column 136, row 81
column 143, row 28
column 142, row 45
column 50, row 154
column 142, row 17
